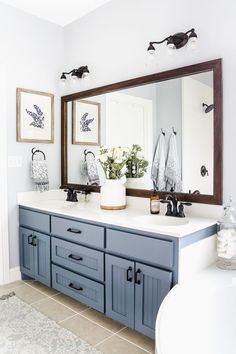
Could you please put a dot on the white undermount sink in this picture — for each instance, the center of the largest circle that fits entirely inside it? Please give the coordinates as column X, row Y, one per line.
column 160, row 220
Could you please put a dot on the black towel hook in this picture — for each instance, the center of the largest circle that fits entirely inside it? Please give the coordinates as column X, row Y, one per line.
column 173, row 130
column 35, row 151
column 162, row 132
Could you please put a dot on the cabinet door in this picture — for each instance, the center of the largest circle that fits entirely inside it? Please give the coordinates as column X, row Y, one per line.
column 26, row 252
column 151, row 286
column 42, row 252
column 120, row 290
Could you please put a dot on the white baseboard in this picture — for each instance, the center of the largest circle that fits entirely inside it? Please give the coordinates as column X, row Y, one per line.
column 15, row 274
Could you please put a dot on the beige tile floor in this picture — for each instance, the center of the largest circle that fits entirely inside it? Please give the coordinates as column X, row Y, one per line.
column 106, row 335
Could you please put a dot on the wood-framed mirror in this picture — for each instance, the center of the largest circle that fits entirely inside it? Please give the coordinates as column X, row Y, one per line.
column 186, row 101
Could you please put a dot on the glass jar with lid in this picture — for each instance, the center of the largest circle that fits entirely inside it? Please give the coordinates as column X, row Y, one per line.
column 226, row 239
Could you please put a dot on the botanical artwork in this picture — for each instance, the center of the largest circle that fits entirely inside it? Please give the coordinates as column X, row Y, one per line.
column 38, row 117
column 86, row 122
column 35, row 121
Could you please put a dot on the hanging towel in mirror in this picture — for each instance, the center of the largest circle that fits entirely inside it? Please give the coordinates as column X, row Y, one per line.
column 39, row 172
column 158, row 165
column 172, row 171
column 92, row 171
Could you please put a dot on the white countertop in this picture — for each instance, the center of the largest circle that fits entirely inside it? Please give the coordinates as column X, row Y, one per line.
column 128, row 218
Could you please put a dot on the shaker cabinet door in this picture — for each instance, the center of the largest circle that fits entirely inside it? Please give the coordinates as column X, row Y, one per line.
column 151, row 286
column 120, row 290
column 42, row 260
column 26, row 252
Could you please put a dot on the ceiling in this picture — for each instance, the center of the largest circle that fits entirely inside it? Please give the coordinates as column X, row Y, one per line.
column 61, row 12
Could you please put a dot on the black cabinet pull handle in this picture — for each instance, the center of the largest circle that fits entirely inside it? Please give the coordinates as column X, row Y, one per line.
column 128, row 275
column 74, row 231
column 75, row 258
column 71, row 285
column 30, row 240
column 34, row 241
column 138, row 276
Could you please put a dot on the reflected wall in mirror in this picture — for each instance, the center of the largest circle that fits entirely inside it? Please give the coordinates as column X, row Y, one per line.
column 175, row 119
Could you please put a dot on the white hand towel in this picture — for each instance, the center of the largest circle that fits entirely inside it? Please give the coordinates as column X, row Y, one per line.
column 158, row 165
column 172, row 171
column 40, row 175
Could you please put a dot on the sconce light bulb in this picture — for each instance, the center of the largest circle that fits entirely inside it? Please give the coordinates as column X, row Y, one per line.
column 151, row 49
column 85, row 75
column 171, row 46
column 193, row 40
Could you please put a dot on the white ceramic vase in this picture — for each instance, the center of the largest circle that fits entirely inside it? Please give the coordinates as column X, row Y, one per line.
column 113, row 195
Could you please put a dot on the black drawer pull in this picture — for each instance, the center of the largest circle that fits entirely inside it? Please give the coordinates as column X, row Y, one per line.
column 128, row 275
column 30, row 240
column 34, row 241
column 74, row 231
column 138, row 276
column 75, row 258
column 71, row 285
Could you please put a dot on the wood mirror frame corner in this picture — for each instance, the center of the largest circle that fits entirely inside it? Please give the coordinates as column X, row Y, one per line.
column 213, row 65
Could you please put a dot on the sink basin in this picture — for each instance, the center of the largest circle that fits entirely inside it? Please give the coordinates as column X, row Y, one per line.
column 159, row 220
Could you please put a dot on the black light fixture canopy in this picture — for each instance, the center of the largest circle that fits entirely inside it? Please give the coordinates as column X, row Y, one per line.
column 79, row 73
column 209, row 107
column 176, row 41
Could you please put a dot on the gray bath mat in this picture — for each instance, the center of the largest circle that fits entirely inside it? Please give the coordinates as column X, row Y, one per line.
column 24, row 330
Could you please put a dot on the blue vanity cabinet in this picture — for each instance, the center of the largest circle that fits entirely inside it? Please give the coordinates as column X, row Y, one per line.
column 42, row 258
column 35, row 257
column 120, row 290
column 151, row 286
column 26, row 252
column 120, row 272
column 134, row 293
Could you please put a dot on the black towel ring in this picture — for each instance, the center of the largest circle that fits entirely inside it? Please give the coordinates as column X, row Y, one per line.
column 86, row 153
column 35, row 151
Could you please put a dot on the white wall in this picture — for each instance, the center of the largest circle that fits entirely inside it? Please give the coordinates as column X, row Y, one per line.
column 32, row 52
column 112, row 41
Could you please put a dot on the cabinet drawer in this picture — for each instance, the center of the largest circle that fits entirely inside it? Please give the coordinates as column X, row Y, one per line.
column 78, row 232
column 80, row 288
column 78, row 258
column 144, row 248
column 35, row 220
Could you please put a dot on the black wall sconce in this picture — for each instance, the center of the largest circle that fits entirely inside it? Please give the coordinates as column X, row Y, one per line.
column 209, row 107
column 176, row 41
column 79, row 73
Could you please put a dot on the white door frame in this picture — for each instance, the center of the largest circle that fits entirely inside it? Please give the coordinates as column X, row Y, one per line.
column 4, row 236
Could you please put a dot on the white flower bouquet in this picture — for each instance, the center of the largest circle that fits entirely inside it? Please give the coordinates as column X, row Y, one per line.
column 113, row 161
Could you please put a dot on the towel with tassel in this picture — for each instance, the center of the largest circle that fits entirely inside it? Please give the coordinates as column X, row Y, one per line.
column 172, row 171
column 40, row 175
column 92, row 172
column 158, row 165
column 89, row 168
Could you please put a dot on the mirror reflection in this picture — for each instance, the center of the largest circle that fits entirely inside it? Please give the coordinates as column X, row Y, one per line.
column 167, row 125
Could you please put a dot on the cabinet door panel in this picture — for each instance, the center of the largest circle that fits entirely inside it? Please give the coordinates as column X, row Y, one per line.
column 120, row 290
column 42, row 258
column 149, row 294
column 26, row 252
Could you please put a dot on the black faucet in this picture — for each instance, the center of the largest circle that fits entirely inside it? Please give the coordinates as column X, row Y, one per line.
column 172, row 206
column 174, row 201
column 71, row 194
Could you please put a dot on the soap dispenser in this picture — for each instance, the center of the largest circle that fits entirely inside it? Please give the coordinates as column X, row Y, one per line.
column 155, row 203
column 226, row 239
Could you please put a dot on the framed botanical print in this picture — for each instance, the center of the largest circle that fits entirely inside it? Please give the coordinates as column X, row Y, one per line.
column 86, row 122
column 35, row 116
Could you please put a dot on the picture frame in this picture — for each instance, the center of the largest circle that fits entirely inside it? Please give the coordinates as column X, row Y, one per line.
column 86, row 122
column 34, row 116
